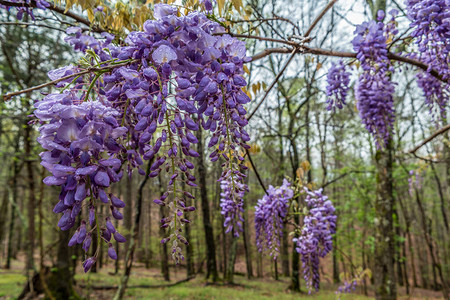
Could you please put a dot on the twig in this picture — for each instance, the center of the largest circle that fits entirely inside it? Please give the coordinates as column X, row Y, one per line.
column 256, row 171
column 430, row 138
column 30, row 24
column 325, row 52
column 8, row 96
column 255, row 37
column 273, row 83
column 55, row 8
column 319, row 17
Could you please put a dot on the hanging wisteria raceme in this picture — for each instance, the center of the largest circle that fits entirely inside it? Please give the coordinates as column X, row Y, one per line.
column 374, row 93
column 232, row 205
column 347, row 287
column 315, row 240
column 180, row 73
column 431, row 30
column 83, row 144
column 26, row 7
column 270, row 215
column 338, row 80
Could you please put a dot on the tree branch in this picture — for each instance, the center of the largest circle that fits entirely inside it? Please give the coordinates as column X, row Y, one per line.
column 318, row 51
column 319, row 17
column 273, row 83
column 256, row 172
column 8, row 96
column 58, row 9
column 30, row 24
column 430, row 138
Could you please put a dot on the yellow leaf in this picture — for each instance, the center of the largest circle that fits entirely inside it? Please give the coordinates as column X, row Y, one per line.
column 237, row 4
column 254, row 88
column 246, row 70
column 305, row 165
column 69, row 4
column 319, row 65
column 90, row 14
column 221, row 4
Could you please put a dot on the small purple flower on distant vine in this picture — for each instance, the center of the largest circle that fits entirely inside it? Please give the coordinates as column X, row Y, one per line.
column 338, row 80
column 27, row 7
column 270, row 214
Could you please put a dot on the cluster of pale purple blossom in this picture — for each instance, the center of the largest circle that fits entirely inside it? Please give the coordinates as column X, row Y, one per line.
column 270, row 215
column 144, row 104
column 315, row 240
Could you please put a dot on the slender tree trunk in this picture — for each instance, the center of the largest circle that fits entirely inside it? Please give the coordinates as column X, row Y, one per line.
column 128, row 212
column 436, row 266
column 295, row 275
column 224, row 248
column 60, row 280
column 384, row 272
column 229, row 278
column 4, row 214
column 190, row 270
column 211, row 265
column 12, row 220
column 135, row 233
column 246, row 235
column 285, row 252
column 148, row 233
column 398, row 256
column 163, row 250
column 31, row 196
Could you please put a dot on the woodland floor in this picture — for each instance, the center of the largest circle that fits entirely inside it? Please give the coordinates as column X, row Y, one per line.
column 12, row 281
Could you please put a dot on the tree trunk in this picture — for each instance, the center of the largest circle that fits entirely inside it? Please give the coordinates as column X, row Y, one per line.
column 384, row 272
column 128, row 212
column 135, row 233
column 229, row 277
column 246, row 235
column 12, row 220
column 211, row 265
column 60, row 280
column 295, row 275
column 190, row 270
column 31, row 195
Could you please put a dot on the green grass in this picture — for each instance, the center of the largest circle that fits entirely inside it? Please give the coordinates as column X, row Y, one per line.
column 251, row 290
column 11, row 283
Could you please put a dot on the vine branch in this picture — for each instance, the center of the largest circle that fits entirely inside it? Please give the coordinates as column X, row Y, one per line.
column 55, row 8
column 430, row 138
column 8, row 96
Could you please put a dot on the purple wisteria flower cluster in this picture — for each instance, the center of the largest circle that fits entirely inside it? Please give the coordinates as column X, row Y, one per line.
column 82, row 142
column 180, row 73
column 232, row 205
column 26, row 7
column 431, row 30
column 315, row 240
column 270, row 215
column 347, row 287
column 374, row 93
column 338, row 79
